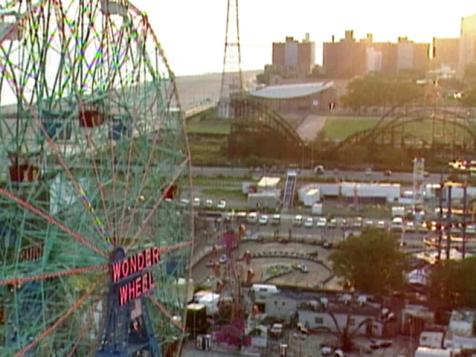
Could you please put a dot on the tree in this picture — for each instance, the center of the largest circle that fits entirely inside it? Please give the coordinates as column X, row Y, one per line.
column 371, row 91
column 452, row 283
column 371, row 263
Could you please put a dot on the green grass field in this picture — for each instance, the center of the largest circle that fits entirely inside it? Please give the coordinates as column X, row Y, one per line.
column 339, row 128
column 208, row 126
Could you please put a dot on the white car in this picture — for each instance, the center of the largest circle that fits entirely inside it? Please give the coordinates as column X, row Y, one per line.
column 221, row 204
column 209, row 203
column 368, row 223
column 196, row 202
column 263, row 219
column 297, row 221
column 252, row 217
column 332, row 223
column 381, row 225
column 409, row 226
column 276, row 219
column 471, row 229
column 276, row 330
column 184, row 202
column 308, row 222
column 321, row 222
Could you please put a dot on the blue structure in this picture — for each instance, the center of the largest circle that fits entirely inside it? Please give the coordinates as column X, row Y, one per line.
column 124, row 336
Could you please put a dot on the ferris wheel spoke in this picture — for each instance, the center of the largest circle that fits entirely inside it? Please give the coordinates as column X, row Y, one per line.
column 99, row 183
column 176, row 176
column 166, row 313
column 84, row 328
column 78, row 188
column 42, row 214
column 52, row 275
column 74, row 307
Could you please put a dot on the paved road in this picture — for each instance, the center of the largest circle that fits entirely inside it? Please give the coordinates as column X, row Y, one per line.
column 359, row 175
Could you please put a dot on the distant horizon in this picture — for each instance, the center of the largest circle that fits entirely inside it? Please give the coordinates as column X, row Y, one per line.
column 192, row 33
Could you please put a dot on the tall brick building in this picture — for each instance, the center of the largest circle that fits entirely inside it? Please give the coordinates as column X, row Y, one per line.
column 294, row 58
column 349, row 57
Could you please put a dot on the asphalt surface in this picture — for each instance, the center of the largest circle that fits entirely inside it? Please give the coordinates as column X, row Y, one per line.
column 359, row 175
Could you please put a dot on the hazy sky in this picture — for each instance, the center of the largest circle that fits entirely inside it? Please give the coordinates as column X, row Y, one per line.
column 192, row 31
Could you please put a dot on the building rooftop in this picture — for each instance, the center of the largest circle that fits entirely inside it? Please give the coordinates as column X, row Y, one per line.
column 268, row 182
column 290, row 91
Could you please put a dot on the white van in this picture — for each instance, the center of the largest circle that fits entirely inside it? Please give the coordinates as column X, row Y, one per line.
column 262, row 291
column 252, row 217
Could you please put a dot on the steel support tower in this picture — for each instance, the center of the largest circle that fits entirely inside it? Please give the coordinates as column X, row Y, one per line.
column 231, row 79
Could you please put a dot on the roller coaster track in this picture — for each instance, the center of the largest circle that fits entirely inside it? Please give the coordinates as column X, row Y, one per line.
column 394, row 120
column 255, row 121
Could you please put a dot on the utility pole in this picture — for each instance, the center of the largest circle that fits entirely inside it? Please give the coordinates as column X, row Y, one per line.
column 448, row 225
column 465, row 209
column 440, row 218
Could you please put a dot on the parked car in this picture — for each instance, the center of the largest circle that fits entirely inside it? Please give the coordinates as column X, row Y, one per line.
column 209, row 203
column 221, row 204
column 357, row 222
column 252, row 217
column 381, row 224
column 387, row 173
column 276, row 219
column 368, row 223
column 304, row 269
column 308, row 222
column 276, row 330
column 263, row 219
column 321, row 222
column 319, row 170
column 297, row 221
column 196, row 202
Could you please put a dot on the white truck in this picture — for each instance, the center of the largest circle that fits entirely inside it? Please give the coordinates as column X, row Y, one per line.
column 398, row 211
column 432, row 352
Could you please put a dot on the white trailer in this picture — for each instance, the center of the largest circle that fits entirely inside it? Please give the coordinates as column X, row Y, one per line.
column 329, row 189
column 432, row 352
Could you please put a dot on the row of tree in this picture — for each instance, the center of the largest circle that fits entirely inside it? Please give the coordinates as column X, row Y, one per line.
column 376, row 91
column 373, row 263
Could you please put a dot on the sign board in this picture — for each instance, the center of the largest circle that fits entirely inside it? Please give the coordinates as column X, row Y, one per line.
column 131, row 276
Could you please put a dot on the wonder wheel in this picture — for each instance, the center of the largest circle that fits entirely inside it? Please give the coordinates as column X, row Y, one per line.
column 95, row 241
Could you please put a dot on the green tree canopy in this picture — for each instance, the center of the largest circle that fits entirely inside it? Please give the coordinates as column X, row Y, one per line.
column 372, row 91
column 452, row 283
column 372, row 263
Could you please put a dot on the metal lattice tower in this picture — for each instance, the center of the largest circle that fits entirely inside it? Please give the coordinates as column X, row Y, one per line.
column 232, row 79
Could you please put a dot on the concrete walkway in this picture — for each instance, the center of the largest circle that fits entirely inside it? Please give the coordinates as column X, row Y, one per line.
column 310, row 127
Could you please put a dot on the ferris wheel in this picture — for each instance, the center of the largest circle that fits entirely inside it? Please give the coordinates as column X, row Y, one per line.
column 95, row 244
